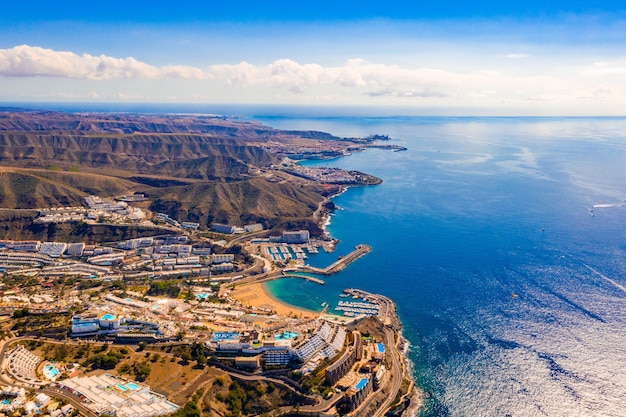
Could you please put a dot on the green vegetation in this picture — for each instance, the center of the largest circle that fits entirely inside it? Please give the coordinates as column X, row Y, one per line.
column 254, row 398
column 190, row 409
column 105, row 360
column 169, row 288
column 141, row 370
column 28, row 322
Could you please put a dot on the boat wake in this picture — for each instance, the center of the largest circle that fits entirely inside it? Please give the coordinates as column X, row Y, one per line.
column 604, row 277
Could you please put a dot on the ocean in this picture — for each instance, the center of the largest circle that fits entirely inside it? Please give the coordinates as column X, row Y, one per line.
column 502, row 242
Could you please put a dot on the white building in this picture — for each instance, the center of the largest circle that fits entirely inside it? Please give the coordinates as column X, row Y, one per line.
column 222, row 257
column 256, row 227
column 301, row 236
column 106, row 394
column 223, row 267
column 75, row 249
column 223, row 228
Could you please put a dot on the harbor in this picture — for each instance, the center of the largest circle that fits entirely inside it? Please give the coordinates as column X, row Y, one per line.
column 341, row 263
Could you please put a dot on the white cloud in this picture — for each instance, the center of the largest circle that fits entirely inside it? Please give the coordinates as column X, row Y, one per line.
column 549, row 83
column 356, row 73
column 33, row 61
column 515, row 56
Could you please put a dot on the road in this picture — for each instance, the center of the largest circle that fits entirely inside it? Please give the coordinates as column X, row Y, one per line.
column 72, row 399
column 395, row 376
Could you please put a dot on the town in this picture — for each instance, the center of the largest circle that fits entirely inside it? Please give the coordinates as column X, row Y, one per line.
column 176, row 290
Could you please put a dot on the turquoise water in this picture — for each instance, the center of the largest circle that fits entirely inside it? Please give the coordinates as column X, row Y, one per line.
column 50, row 371
column 108, row 316
column 222, row 336
column 509, row 283
column 286, row 335
column 132, row 386
column 7, row 402
column 121, row 387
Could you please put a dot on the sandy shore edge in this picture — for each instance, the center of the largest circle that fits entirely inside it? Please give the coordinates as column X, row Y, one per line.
column 255, row 295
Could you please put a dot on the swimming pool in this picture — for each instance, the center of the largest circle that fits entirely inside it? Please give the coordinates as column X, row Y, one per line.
column 108, row 316
column 222, row 336
column 361, row 384
column 380, row 347
column 50, row 371
column 133, row 386
column 5, row 402
column 121, row 387
column 286, row 335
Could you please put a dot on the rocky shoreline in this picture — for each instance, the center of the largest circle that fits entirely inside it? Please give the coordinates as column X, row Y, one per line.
column 412, row 400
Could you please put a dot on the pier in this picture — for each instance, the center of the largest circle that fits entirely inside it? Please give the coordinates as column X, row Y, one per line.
column 341, row 263
column 307, row 277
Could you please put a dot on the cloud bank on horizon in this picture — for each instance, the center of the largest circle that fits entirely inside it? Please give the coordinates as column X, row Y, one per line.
column 566, row 65
column 285, row 80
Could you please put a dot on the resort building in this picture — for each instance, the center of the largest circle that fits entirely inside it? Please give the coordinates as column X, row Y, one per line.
column 222, row 257
column 279, row 357
column 190, row 225
column 301, row 236
column 21, row 258
column 53, row 249
column 106, row 394
column 341, row 367
column 257, row 227
column 106, row 259
column 359, row 392
column 75, row 249
column 25, row 245
column 223, row 228
column 250, row 362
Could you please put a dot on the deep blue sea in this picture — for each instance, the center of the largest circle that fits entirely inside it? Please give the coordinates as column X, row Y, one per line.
column 510, row 285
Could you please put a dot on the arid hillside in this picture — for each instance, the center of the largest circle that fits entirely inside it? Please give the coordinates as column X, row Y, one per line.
column 194, row 168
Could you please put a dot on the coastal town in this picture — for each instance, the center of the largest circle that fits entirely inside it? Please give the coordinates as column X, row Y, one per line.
column 182, row 288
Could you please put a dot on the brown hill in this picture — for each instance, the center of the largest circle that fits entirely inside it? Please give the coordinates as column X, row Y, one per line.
column 199, row 169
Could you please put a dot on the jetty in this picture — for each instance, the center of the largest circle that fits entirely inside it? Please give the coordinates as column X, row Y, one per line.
column 341, row 263
column 306, row 277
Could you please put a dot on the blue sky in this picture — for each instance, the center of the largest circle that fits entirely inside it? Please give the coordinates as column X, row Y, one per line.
column 559, row 57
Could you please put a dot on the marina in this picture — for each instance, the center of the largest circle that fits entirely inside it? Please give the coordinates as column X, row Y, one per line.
column 283, row 252
column 356, row 307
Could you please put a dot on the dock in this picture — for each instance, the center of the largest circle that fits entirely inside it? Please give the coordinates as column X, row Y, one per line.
column 307, row 277
column 341, row 263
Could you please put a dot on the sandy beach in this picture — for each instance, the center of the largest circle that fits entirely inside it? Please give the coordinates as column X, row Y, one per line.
column 256, row 296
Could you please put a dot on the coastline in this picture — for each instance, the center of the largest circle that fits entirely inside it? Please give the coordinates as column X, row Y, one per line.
column 413, row 400
column 256, row 295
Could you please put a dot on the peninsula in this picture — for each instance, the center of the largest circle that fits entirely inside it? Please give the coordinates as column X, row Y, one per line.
column 133, row 255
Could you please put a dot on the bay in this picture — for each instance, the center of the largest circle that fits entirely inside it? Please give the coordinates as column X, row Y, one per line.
column 509, row 283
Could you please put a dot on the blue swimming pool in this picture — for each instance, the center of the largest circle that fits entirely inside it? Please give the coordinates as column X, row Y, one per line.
column 121, row 387
column 221, row 336
column 133, row 386
column 108, row 316
column 380, row 347
column 286, row 335
column 361, row 384
column 50, row 371
column 5, row 402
